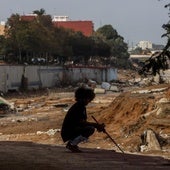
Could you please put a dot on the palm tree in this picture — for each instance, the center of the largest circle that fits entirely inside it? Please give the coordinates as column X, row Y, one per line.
column 39, row 12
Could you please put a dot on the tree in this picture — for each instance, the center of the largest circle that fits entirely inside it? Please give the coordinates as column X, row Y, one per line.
column 13, row 41
column 118, row 48
column 28, row 39
column 39, row 12
column 107, row 32
column 82, row 47
column 38, row 38
column 137, row 50
column 2, row 43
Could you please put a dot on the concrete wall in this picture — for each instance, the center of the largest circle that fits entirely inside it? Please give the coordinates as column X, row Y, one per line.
column 50, row 76
column 98, row 74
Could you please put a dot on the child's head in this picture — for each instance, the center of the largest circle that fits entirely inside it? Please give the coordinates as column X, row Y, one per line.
column 83, row 94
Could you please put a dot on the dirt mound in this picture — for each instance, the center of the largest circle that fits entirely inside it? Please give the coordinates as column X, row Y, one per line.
column 125, row 118
column 125, row 110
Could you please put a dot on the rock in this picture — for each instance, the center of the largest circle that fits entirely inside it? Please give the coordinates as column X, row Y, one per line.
column 149, row 113
column 164, row 107
column 105, row 85
column 91, row 83
column 150, row 141
column 158, row 90
column 99, row 91
column 114, row 88
column 50, row 132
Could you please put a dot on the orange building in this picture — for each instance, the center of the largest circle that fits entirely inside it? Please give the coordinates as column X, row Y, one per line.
column 28, row 17
column 86, row 27
column 2, row 28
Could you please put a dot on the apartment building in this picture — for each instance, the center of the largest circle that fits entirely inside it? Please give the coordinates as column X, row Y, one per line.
column 145, row 45
column 86, row 27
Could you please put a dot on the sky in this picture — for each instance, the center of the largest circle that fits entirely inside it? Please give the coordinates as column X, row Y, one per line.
column 134, row 20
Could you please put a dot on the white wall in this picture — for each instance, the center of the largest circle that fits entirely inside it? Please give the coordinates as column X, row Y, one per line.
column 3, row 79
column 78, row 74
column 50, row 76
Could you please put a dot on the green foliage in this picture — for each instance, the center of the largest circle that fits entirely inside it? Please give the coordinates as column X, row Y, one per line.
column 38, row 38
column 107, row 32
column 137, row 50
column 2, row 43
column 117, row 49
column 40, row 12
column 28, row 39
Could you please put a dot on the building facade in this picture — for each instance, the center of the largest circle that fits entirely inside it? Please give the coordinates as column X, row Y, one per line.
column 145, row 45
column 2, row 28
column 86, row 27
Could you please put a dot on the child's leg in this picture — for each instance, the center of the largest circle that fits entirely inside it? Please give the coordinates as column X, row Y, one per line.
column 87, row 131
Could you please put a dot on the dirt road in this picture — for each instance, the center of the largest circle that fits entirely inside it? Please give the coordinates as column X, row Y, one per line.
column 31, row 156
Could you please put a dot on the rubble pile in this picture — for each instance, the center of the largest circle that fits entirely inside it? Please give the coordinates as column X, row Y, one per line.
column 135, row 113
column 138, row 118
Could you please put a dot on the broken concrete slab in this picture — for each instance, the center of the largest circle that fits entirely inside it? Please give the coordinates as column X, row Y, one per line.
column 105, row 85
column 6, row 103
column 114, row 89
column 150, row 91
column 150, row 141
column 99, row 91
column 164, row 107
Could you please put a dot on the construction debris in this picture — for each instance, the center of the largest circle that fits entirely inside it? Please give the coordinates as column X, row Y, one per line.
column 6, row 107
column 99, row 91
column 164, row 107
column 127, row 114
column 149, row 141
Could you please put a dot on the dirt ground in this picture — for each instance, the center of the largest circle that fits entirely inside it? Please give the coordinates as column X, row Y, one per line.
column 40, row 114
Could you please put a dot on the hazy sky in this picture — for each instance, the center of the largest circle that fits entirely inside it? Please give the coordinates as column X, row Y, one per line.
column 134, row 20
